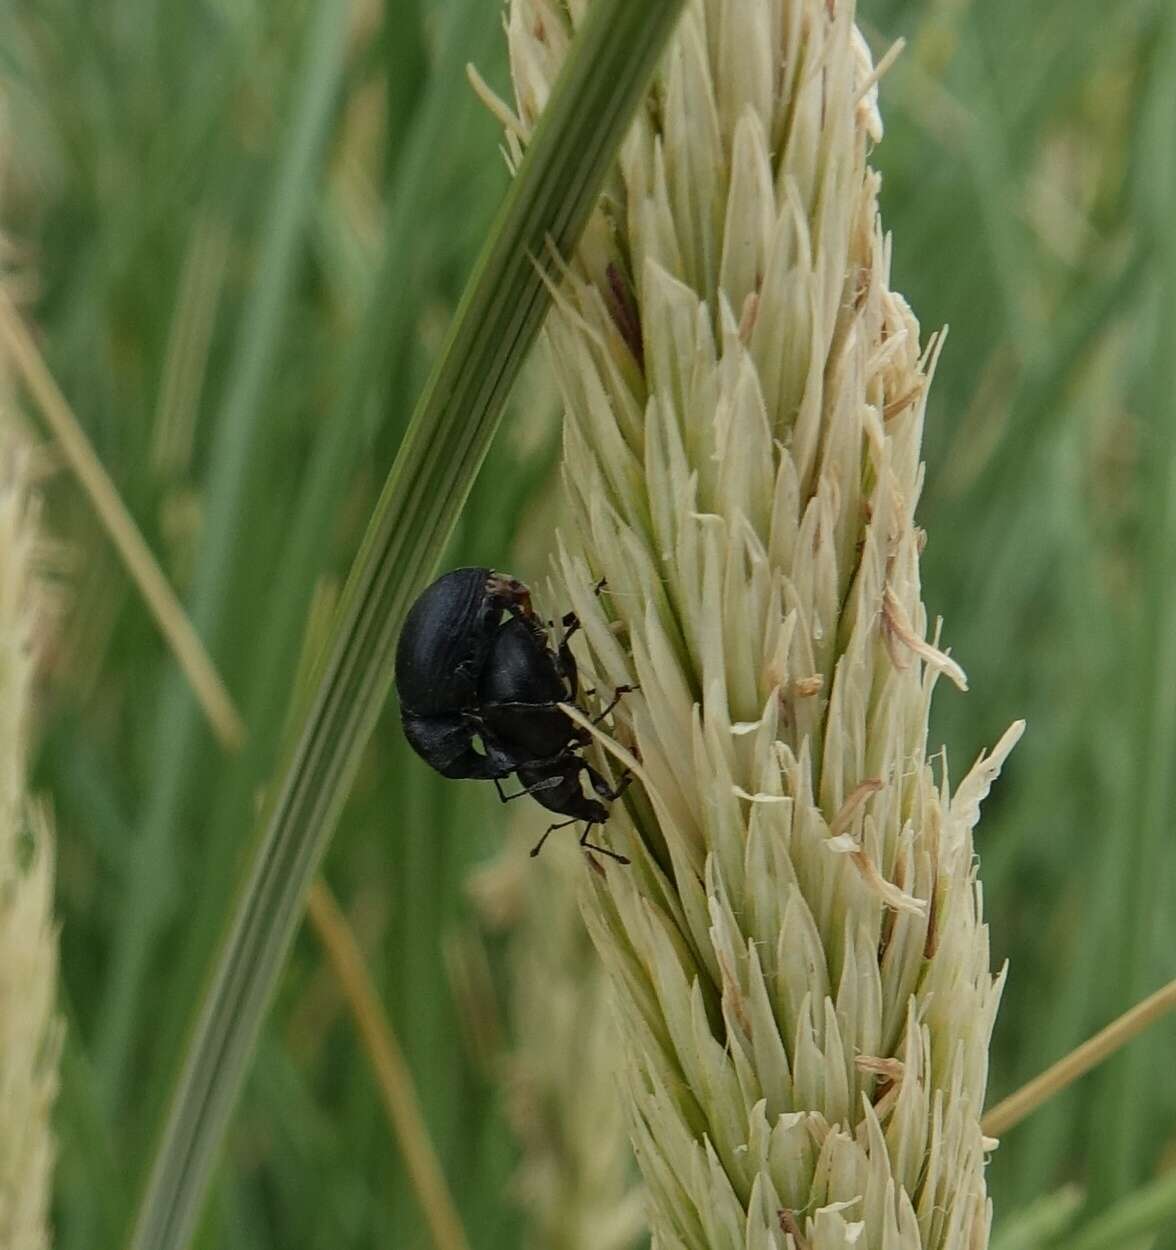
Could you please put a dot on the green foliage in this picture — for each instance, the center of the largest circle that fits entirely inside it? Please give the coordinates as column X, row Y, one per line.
column 501, row 310
column 128, row 166
column 247, row 387
column 1030, row 196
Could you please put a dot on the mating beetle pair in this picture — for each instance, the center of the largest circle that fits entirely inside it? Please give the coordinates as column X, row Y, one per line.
column 467, row 676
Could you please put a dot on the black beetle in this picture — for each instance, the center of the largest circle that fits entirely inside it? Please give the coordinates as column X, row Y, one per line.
column 475, row 667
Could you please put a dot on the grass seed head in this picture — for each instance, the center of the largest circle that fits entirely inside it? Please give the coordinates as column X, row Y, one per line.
column 798, row 956
column 29, row 1031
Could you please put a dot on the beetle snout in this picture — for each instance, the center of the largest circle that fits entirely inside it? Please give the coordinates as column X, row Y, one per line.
column 509, row 590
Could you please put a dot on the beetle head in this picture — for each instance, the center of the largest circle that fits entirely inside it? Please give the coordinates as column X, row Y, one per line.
column 509, row 591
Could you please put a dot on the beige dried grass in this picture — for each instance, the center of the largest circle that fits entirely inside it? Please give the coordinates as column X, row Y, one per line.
column 29, row 1028
column 799, row 964
column 30, row 1032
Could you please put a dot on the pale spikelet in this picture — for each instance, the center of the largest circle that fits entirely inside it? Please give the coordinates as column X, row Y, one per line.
column 575, row 1178
column 29, row 1034
column 29, row 1030
column 798, row 958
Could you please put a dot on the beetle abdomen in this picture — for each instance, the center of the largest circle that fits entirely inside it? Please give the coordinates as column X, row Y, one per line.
column 566, row 798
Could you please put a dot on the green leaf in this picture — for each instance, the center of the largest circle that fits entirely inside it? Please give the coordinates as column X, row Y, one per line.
column 152, row 886
column 1154, row 656
column 1150, row 1209
column 1039, row 1223
column 496, row 322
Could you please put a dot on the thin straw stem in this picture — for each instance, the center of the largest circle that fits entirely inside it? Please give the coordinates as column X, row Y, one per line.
column 1016, row 1107
column 153, row 585
column 391, row 1069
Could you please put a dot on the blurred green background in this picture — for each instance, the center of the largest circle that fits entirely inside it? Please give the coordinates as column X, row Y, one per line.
column 240, row 238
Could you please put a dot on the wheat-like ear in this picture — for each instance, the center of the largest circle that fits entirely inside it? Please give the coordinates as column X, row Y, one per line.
column 798, row 958
column 29, row 1030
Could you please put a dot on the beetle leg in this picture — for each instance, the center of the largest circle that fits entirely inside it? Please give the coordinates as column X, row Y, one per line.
column 569, row 671
column 571, row 625
column 548, row 783
column 472, row 766
column 475, row 766
column 603, row 850
column 500, row 763
column 618, row 694
column 520, row 704
column 566, row 663
column 563, row 824
column 601, row 786
column 447, row 744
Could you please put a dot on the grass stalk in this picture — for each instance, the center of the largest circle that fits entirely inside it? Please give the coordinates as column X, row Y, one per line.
column 495, row 323
column 185, row 643
column 1010, row 1111
column 391, row 1071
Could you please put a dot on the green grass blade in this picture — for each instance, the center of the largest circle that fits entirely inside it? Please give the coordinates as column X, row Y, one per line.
column 1038, row 1224
column 152, row 882
column 496, row 322
column 1149, row 1210
column 1155, row 657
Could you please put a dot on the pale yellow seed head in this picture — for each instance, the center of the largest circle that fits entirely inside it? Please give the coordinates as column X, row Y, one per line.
column 29, row 1032
column 799, row 963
